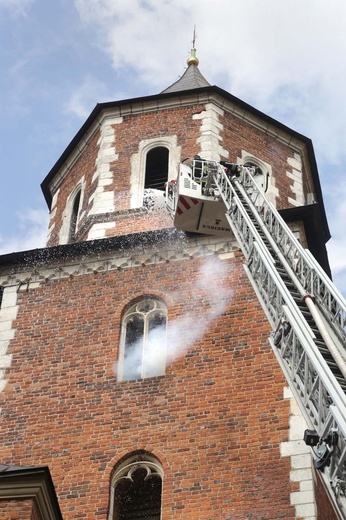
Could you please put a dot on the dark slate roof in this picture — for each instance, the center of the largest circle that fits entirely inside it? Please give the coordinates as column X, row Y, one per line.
column 192, row 78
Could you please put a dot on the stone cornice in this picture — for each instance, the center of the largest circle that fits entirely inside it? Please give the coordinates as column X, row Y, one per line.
column 170, row 247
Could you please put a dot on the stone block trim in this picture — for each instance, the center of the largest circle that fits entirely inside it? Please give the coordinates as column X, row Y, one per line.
column 102, row 201
column 112, row 162
column 210, row 133
column 8, row 314
column 296, row 175
column 272, row 192
column 303, row 496
column 138, row 163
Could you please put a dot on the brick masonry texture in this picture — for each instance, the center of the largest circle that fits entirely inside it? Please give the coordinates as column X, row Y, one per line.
column 218, row 417
column 18, row 509
column 235, row 134
column 325, row 508
column 215, row 420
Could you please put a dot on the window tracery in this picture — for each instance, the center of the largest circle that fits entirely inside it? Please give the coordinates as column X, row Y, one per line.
column 136, row 489
column 143, row 340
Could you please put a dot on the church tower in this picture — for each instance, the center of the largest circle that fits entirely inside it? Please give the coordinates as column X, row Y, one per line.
column 136, row 375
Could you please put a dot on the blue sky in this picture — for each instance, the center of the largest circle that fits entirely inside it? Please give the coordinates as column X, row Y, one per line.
column 58, row 58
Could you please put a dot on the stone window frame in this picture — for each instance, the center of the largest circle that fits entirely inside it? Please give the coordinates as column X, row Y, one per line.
column 125, row 469
column 271, row 191
column 139, row 160
column 134, row 309
column 148, row 176
column 65, row 232
column 74, row 216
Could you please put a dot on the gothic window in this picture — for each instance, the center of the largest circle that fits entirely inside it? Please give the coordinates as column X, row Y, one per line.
column 143, row 340
column 136, row 489
column 74, row 216
column 156, row 168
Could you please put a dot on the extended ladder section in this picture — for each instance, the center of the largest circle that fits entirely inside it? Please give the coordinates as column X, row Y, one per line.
column 304, row 308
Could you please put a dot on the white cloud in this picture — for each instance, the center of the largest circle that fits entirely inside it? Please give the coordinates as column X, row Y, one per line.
column 263, row 52
column 85, row 97
column 133, row 33
column 285, row 58
column 14, row 8
column 33, row 226
column 336, row 193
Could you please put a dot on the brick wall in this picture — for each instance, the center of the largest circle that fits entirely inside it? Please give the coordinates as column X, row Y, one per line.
column 107, row 168
column 215, row 420
column 127, row 137
column 325, row 508
column 241, row 135
column 18, row 509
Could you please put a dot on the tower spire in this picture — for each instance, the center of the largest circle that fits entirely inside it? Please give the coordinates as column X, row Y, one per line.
column 193, row 60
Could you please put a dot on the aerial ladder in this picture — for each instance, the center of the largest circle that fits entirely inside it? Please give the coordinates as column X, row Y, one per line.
column 306, row 311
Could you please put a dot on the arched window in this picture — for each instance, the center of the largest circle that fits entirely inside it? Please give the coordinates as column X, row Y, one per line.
column 136, row 489
column 143, row 340
column 74, row 216
column 156, row 168
column 260, row 177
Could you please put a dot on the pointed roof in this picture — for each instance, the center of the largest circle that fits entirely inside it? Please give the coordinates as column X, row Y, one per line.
column 192, row 77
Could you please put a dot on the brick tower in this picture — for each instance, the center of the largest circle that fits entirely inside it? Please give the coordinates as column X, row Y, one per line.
column 137, row 380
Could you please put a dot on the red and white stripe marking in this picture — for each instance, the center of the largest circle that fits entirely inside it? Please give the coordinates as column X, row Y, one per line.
column 185, row 203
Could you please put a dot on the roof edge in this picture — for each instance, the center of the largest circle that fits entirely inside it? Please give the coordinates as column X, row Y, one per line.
column 100, row 107
column 90, row 247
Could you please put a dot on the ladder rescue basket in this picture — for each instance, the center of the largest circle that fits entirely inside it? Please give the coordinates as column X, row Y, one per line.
column 194, row 202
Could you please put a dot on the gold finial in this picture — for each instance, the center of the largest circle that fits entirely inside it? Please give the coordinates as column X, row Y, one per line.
column 193, row 60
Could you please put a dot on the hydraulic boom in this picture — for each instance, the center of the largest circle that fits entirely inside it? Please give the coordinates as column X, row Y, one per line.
column 306, row 312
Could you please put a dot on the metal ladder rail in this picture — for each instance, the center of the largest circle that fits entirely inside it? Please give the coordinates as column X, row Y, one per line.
column 311, row 390
column 251, row 242
column 247, row 234
column 313, row 278
column 308, row 374
column 329, row 344
column 272, row 291
column 332, row 344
